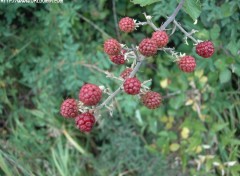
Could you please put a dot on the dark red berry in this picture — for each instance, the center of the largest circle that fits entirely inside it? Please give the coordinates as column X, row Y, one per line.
column 69, row 108
column 85, row 122
column 90, row 94
column 148, row 47
column 161, row 38
column 132, row 86
column 118, row 59
column 112, row 47
column 126, row 73
column 187, row 63
column 126, row 24
column 205, row 49
column 151, row 100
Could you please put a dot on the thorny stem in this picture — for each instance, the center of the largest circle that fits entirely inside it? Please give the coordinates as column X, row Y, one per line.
column 171, row 51
column 185, row 32
column 149, row 21
column 115, row 19
column 172, row 17
column 136, row 68
column 94, row 25
column 140, row 58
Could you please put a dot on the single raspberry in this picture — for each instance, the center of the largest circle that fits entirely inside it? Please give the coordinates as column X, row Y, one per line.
column 126, row 24
column 205, row 49
column 151, row 100
column 132, row 86
column 85, row 121
column 125, row 74
column 69, row 108
column 148, row 47
column 90, row 94
column 161, row 38
column 187, row 63
column 118, row 59
column 112, row 47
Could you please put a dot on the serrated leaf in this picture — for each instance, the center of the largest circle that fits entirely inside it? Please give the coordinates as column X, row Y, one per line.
column 192, row 8
column 219, row 126
column 225, row 76
column 144, row 2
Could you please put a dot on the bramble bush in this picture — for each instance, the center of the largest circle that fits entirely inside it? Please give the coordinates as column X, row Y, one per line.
column 49, row 51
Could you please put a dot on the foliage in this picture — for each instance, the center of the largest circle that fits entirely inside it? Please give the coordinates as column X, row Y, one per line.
column 48, row 51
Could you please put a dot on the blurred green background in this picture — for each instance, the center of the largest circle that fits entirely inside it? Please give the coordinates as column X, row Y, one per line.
column 48, row 51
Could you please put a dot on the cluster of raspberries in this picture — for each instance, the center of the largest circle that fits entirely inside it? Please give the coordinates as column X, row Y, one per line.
column 149, row 47
column 89, row 95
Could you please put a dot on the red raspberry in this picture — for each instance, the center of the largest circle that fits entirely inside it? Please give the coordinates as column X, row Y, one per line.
column 148, row 47
column 205, row 49
column 126, row 24
column 118, row 59
column 125, row 74
column 112, row 47
column 161, row 38
column 132, row 86
column 187, row 63
column 151, row 100
column 90, row 94
column 85, row 121
column 69, row 108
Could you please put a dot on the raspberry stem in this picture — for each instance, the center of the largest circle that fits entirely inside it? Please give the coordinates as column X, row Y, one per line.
column 172, row 17
column 184, row 31
column 149, row 21
column 140, row 59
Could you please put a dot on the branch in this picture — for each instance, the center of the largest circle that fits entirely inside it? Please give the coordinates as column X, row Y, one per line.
column 185, row 32
column 136, row 68
column 115, row 19
column 172, row 17
column 94, row 25
column 149, row 21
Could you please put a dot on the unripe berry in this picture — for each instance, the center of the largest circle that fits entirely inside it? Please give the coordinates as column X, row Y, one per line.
column 69, row 108
column 132, row 86
column 151, row 100
column 148, row 47
column 187, row 64
column 205, row 49
column 161, row 38
column 126, row 24
column 112, row 47
column 85, row 121
column 90, row 94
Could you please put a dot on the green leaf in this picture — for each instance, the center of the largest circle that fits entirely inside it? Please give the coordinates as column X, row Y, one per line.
column 215, row 31
column 226, row 10
column 192, row 8
column 237, row 69
column 225, row 76
column 219, row 126
column 233, row 47
column 144, row 2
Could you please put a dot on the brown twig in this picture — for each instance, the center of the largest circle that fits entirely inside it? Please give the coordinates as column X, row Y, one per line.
column 172, row 17
column 94, row 25
column 115, row 20
column 136, row 68
column 185, row 32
